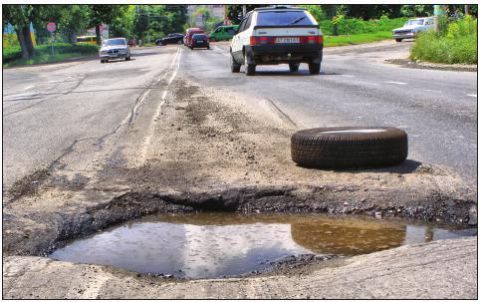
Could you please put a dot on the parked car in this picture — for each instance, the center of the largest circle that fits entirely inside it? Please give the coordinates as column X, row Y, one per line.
column 175, row 38
column 412, row 27
column 187, row 40
column 275, row 35
column 116, row 48
column 223, row 33
column 200, row 40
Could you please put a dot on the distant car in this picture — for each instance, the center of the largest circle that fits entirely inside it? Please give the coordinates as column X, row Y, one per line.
column 200, row 41
column 187, row 40
column 412, row 27
column 175, row 38
column 275, row 35
column 222, row 33
column 116, row 48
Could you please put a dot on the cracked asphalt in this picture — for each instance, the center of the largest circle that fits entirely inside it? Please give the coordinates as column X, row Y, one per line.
column 48, row 109
column 90, row 145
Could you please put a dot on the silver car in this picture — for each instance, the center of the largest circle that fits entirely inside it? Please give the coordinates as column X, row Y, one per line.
column 412, row 27
column 113, row 49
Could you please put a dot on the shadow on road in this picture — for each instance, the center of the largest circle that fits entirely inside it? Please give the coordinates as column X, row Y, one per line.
column 407, row 167
column 293, row 74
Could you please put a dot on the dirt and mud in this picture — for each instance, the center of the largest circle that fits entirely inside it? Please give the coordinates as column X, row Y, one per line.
column 210, row 151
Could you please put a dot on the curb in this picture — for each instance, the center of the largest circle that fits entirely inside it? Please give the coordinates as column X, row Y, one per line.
column 435, row 66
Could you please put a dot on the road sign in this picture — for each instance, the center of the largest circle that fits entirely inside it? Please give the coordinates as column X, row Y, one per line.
column 51, row 27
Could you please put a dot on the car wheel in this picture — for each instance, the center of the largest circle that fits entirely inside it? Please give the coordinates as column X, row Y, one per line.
column 398, row 40
column 314, row 68
column 294, row 67
column 208, row 47
column 349, row 147
column 127, row 58
column 249, row 68
column 234, row 66
column 102, row 61
column 179, row 42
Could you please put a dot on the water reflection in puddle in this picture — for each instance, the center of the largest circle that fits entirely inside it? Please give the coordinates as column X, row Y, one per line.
column 209, row 245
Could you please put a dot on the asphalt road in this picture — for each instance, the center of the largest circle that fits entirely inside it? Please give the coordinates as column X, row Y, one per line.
column 438, row 109
column 48, row 109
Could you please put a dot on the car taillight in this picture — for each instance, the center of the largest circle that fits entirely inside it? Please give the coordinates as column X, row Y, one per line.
column 311, row 39
column 254, row 40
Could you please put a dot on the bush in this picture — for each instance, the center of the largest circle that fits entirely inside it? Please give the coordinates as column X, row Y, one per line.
column 351, row 26
column 455, row 45
column 15, row 53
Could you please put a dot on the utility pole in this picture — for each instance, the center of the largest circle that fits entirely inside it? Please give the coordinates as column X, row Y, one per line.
column 244, row 11
column 466, row 9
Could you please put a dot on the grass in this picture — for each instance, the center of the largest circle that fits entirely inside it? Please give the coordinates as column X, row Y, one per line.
column 455, row 44
column 12, row 56
column 343, row 40
column 353, row 26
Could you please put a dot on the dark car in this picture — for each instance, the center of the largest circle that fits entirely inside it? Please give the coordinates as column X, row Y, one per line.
column 200, row 40
column 170, row 39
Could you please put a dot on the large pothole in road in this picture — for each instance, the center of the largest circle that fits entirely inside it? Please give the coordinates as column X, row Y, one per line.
column 212, row 245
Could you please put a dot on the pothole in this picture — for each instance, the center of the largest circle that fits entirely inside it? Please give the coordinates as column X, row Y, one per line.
column 218, row 244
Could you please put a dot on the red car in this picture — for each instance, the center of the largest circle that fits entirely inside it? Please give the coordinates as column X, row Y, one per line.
column 187, row 40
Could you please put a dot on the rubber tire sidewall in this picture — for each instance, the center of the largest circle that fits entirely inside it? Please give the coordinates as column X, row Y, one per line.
column 315, row 148
column 249, row 68
column 314, row 68
column 234, row 67
column 294, row 67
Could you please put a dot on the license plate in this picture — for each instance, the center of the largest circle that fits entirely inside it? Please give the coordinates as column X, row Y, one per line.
column 287, row 40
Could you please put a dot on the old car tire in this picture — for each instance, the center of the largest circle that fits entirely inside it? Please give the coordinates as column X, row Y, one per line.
column 349, row 147
column 234, row 66
column 249, row 68
column 314, row 68
column 294, row 67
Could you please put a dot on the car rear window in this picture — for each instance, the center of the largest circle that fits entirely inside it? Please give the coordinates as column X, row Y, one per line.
column 282, row 18
column 198, row 37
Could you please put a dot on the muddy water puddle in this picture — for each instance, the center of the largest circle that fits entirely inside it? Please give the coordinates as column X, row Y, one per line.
column 212, row 245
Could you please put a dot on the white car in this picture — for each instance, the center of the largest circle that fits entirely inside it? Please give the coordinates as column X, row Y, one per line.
column 116, row 48
column 275, row 35
column 412, row 27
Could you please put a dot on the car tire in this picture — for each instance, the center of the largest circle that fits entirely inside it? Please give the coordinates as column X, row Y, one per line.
column 102, row 61
column 249, row 68
column 314, row 68
column 127, row 58
column 208, row 47
column 179, row 42
column 234, row 66
column 398, row 40
column 294, row 67
column 349, row 147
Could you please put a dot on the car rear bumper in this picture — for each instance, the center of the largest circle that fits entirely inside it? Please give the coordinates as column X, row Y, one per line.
column 114, row 56
column 195, row 44
column 274, row 54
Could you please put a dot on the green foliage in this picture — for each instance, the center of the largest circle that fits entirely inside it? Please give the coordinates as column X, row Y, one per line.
column 12, row 55
column 350, row 26
column 154, row 21
column 316, row 11
column 457, row 44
